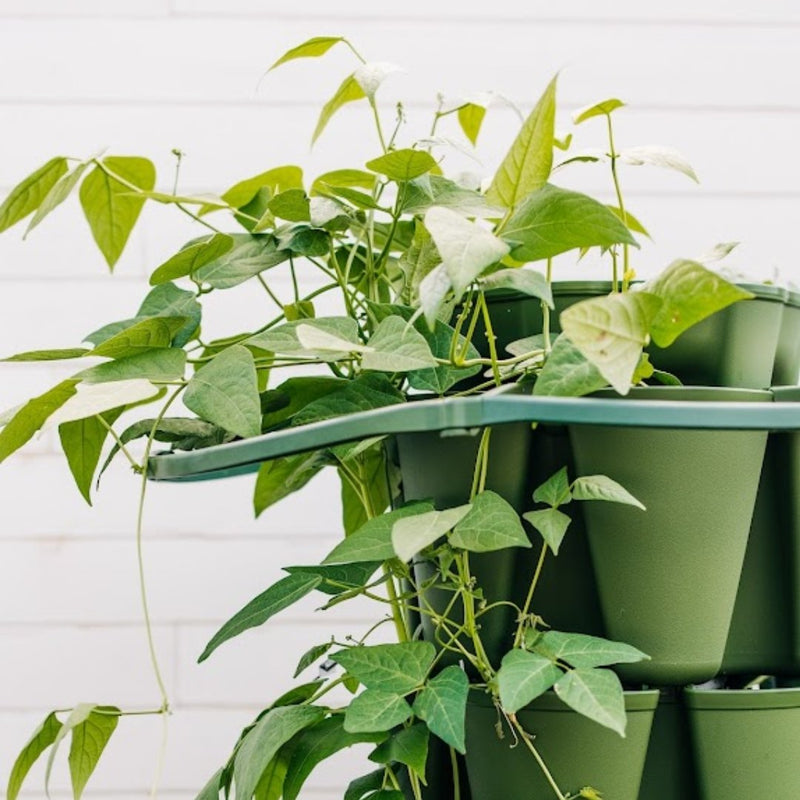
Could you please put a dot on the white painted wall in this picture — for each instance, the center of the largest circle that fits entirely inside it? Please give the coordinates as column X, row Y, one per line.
column 720, row 80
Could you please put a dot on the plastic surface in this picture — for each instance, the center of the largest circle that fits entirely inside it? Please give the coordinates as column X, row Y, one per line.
column 578, row 751
column 491, row 408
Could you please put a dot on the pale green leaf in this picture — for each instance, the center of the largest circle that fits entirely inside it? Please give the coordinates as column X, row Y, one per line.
column 604, row 107
column 279, row 596
column 442, row 704
column 375, row 710
column 58, row 193
column 407, row 746
column 371, row 75
column 552, row 220
column 396, row 346
column 718, row 252
column 551, row 523
column 397, row 668
column 142, row 335
column 629, row 220
column 89, row 739
column 523, row 677
column 315, row 340
column 567, row 372
column 97, row 398
column 162, row 364
column 42, row 738
column 349, row 91
column 76, row 716
column 225, row 391
column 272, row 181
column 250, row 256
column 526, row 281
column 410, row 534
column 581, row 650
column 312, row 48
column 611, row 331
column 29, row 193
column 433, row 190
column 109, row 206
column 595, row 693
column 528, row 163
column 491, row 524
column 264, row 740
column 48, row 355
column 281, row 477
column 343, row 178
column 470, row 118
column 283, row 339
column 555, row 490
column 432, row 291
column 601, row 487
column 191, row 258
column 402, row 166
column 689, row 293
column 291, row 204
column 658, row 156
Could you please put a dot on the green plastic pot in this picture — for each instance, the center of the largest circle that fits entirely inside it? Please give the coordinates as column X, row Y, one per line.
column 735, row 347
column 745, row 742
column 669, row 769
column 577, row 751
column 667, row 577
column 787, row 355
column 763, row 634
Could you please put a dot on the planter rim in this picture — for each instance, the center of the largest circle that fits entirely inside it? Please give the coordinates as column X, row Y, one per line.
column 792, row 298
column 766, row 291
column 741, row 699
column 683, row 394
column 635, row 700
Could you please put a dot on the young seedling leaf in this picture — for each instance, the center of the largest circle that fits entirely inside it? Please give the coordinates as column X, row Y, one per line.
column 314, row 47
column 689, row 293
column 407, row 746
column 349, row 91
column 659, row 156
column 604, row 107
column 402, row 166
column 551, row 523
column 611, row 331
column 110, row 207
column 191, row 258
column 568, row 373
column 29, row 193
column 555, row 490
column 601, row 487
column 718, row 252
column 279, row 596
column 264, row 740
column 42, row 738
column 629, row 220
column 527, row 165
column 397, row 668
column 375, row 710
column 225, row 391
column 523, row 677
column 396, row 346
column 89, row 739
column 470, row 118
column 311, row 656
column 442, row 705
column 581, row 650
column 314, row 745
column 410, row 534
column 526, row 281
column 370, row 76
column 595, row 693
column 491, row 524
column 552, row 220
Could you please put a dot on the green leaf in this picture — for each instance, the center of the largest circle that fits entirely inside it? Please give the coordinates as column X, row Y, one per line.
column 318, row 342
column 89, row 739
column 396, row 346
column 689, row 293
column 29, row 193
column 279, row 596
column 311, row 656
column 291, row 204
column 611, row 331
column 407, row 746
column 48, row 355
column 442, row 704
column 567, row 372
column 311, row 48
column 57, row 194
column 551, row 523
column 349, row 90
column 552, row 220
column 491, row 524
column 338, row 578
column 397, row 668
column 298, row 694
column 359, row 787
column 402, row 166
column 580, row 650
column 281, row 477
column 629, row 220
column 191, row 258
column 212, row 789
column 82, row 442
column 270, row 786
column 314, row 745
column 304, row 309
column 283, row 402
column 304, row 240
column 604, row 107
column 163, row 364
column 440, row 379
column 418, row 260
column 109, row 206
column 373, row 541
column 526, row 281
column 97, row 398
column 375, row 710
column 410, row 534
column 42, row 738
column 283, row 338
column 528, row 163
column 31, row 416
column 225, row 391
column 339, row 178
column 146, row 334
column 523, row 677
column 466, row 248
column 658, row 156
column 433, row 190
column 555, row 490
column 76, row 717
column 264, row 740
column 601, row 487
column 470, row 118
column 272, row 181
column 371, row 468
column 249, row 256
column 595, row 693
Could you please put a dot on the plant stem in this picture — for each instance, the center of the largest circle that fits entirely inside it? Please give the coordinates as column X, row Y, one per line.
column 269, row 291
column 456, row 776
column 124, row 450
column 529, row 598
column 378, row 126
column 490, row 338
column 613, row 155
column 546, row 310
column 529, row 744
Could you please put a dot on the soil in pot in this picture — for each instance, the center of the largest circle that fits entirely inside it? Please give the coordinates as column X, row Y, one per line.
column 668, row 576
column 577, row 751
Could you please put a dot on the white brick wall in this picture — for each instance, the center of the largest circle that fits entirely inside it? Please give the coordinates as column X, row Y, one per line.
column 718, row 79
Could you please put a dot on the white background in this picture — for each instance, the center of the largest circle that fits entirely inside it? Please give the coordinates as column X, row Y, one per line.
column 719, row 80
